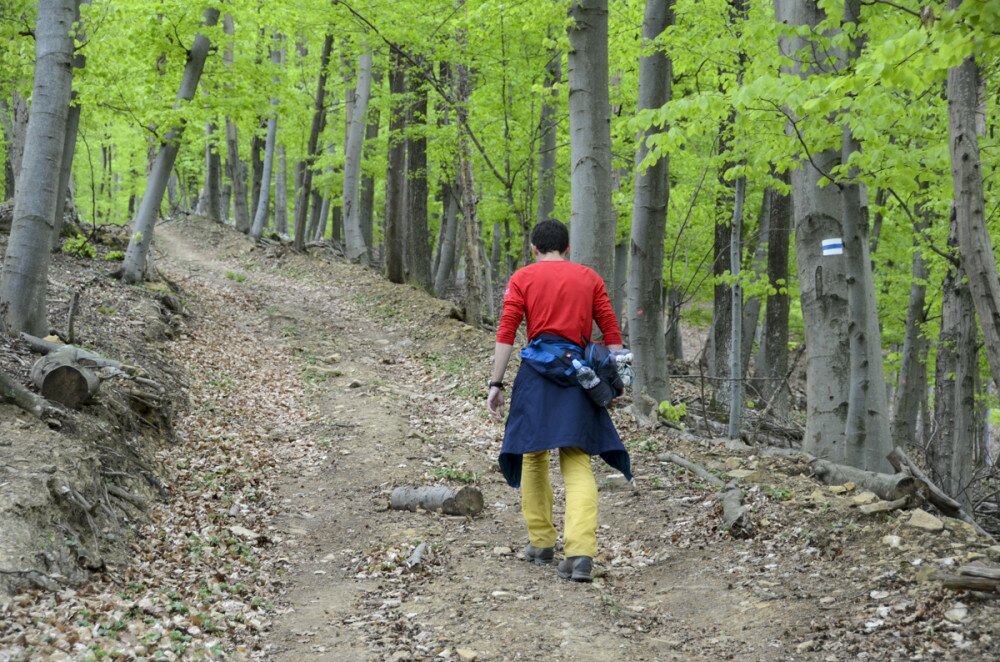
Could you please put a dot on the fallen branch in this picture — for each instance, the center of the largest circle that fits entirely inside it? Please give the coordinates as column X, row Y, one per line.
column 947, row 505
column 696, row 469
column 464, row 501
column 13, row 392
column 735, row 516
column 127, row 496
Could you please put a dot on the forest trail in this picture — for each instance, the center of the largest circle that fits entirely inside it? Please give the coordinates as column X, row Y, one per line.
column 377, row 419
column 386, row 391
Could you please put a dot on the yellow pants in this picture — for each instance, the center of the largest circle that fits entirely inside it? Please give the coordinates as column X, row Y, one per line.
column 580, row 526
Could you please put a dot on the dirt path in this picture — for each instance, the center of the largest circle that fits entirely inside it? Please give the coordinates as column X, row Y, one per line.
column 389, row 393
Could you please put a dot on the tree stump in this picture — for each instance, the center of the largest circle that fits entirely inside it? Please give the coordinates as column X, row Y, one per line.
column 464, row 501
column 59, row 378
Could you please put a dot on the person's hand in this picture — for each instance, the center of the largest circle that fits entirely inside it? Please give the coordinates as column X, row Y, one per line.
column 494, row 403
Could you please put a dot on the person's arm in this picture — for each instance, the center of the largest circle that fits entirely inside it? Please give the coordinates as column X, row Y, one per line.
column 501, row 357
column 604, row 315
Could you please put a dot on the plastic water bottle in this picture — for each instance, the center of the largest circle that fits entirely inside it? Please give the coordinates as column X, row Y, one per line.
column 585, row 375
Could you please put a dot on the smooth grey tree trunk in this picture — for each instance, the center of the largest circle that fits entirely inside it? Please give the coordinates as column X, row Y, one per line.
column 974, row 241
column 16, row 129
column 395, row 177
column 235, row 167
column 644, row 288
column 367, row 199
column 281, row 194
column 418, row 247
column 592, row 217
column 721, row 333
column 950, row 454
column 213, row 176
column 357, row 249
column 548, row 124
column 24, row 278
column 758, row 265
column 264, row 202
column 736, row 342
column 912, row 387
column 672, row 338
column 772, row 365
column 319, row 112
column 134, row 265
column 449, row 234
column 69, row 145
column 822, row 278
column 867, row 428
column 470, row 225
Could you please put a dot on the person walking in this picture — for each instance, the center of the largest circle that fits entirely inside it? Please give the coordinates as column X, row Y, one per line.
column 561, row 300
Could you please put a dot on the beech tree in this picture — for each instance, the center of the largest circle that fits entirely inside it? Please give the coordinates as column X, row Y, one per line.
column 134, row 267
column 649, row 218
column 24, row 279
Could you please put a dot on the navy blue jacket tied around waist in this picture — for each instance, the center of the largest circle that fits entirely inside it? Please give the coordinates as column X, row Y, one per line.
column 545, row 414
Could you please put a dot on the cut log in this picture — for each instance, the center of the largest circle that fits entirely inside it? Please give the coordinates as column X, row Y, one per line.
column 980, row 571
column 60, row 378
column 464, row 501
column 969, row 583
column 889, row 487
column 898, row 459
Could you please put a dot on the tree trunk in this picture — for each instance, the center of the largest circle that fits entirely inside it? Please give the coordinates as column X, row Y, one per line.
column 449, row 232
column 548, row 125
column 319, row 112
column 357, row 248
column 463, row 501
column 974, row 243
column 16, row 131
column 281, row 194
column 24, row 279
column 867, row 427
column 721, row 333
column 592, row 218
column 264, row 203
column 69, row 144
column 60, row 378
column 256, row 170
column 395, row 177
column 913, row 371
column 134, row 265
column 649, row 219
column 822, row 278
column 736, row 317
column 213, row 176
column 672, row 339
column 235, row 167
column 772, row 365
column 418, row 246
column 473, row 265
column 950, row 454
column 751, row 307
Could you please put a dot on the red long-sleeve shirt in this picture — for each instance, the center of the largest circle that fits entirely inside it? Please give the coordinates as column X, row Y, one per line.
column 559, row 297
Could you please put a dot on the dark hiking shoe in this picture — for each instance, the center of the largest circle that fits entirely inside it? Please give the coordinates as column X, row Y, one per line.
column 577, row 568
column 539, row 555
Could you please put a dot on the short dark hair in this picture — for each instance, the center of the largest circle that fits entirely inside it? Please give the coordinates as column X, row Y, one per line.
column 550, row 235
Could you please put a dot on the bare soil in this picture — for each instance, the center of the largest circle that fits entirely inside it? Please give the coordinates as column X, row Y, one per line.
column 316, row 387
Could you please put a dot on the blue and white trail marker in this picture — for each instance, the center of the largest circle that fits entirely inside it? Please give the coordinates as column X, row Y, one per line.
column 833, row 246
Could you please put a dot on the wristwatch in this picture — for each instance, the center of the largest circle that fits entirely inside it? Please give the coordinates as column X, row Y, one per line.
column 499, row 385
